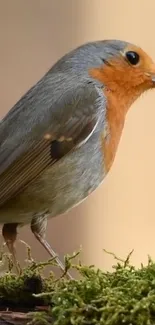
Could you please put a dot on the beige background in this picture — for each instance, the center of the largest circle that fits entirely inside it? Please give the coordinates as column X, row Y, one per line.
column 120, row 215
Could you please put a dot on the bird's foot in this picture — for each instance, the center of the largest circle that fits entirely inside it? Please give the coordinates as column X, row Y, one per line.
column 52, row 253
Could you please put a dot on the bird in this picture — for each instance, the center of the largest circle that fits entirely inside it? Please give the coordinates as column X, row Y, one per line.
column 59, row 141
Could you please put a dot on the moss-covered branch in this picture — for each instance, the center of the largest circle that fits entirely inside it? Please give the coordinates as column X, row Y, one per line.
column 123, row 297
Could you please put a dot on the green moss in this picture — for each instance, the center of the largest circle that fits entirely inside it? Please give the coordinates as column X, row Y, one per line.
column 125, row 296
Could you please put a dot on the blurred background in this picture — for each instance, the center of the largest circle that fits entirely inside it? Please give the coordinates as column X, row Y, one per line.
column 120, row 215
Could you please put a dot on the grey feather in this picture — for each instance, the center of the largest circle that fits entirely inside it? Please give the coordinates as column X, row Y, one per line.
column 24, row 152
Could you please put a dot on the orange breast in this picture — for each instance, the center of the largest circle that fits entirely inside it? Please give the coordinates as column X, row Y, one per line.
column 119, row 99
column 115, row 118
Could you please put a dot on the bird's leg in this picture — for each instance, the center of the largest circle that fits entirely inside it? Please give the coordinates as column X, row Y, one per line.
column 38, row 227
column 9, row 232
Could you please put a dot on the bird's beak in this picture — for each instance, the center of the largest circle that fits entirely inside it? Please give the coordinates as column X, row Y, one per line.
column 153, row 78
column 152, row 73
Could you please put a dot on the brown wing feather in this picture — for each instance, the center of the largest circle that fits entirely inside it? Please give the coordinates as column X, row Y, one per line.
column 52, row 129
column 31, row 164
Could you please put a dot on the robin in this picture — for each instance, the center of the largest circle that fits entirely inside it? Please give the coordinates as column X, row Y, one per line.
column 60, row 139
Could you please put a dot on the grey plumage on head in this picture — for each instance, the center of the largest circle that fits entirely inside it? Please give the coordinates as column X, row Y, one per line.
column 89, row 55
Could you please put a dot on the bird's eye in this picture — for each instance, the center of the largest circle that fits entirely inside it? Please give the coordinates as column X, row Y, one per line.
column 132, row 57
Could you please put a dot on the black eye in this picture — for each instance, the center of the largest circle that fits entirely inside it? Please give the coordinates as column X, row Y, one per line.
column 132, row 57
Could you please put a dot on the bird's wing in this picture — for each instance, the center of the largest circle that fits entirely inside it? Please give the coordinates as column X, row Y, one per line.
column 32, row 140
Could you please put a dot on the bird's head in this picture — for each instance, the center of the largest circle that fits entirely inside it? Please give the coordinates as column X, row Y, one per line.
column 125, row 68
